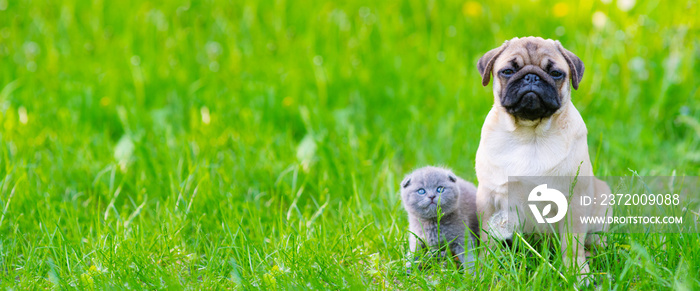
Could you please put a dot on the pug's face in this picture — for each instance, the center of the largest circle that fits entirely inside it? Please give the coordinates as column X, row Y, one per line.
column 532, row 76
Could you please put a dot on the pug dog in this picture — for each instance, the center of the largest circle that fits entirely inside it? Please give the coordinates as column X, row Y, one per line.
column 534, row 130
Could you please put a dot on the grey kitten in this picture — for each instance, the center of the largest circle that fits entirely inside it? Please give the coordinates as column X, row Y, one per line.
column 428, row 189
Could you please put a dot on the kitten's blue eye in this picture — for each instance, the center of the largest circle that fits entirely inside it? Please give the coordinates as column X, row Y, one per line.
column 421, row 191
column 440, row 189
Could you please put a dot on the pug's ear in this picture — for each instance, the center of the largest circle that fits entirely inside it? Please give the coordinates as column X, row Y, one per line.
column 485, row 63
column 575, row 65
column 406, row 182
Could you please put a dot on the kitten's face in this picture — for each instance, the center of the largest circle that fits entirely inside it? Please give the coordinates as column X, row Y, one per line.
column 427, row 188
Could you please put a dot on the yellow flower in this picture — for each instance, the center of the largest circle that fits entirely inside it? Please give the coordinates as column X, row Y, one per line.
column 471, row 8
column 561, row 9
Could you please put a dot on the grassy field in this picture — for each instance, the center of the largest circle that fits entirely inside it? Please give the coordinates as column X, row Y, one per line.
column 259, row 144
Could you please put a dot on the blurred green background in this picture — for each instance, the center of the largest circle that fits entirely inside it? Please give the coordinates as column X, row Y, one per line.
column 260, row 143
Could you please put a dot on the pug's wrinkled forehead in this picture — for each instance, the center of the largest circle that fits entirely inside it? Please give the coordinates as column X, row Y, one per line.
column 532, row 51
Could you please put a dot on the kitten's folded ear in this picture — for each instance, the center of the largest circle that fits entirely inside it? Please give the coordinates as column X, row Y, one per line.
column 406, row 182
column 452, row 178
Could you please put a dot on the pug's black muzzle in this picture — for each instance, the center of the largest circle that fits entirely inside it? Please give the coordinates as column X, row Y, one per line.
column 530, row 95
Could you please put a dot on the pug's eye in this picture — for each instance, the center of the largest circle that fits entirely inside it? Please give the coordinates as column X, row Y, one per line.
column 556, row 74
column 421, row 191
column 440, row 189
column 507, row 72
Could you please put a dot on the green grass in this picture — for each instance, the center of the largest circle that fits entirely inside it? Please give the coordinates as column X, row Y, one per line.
column 258, row 144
